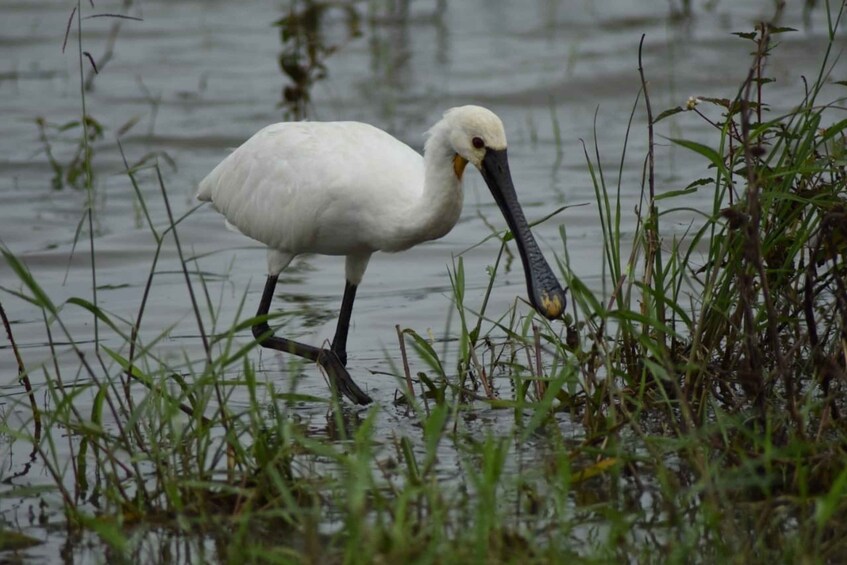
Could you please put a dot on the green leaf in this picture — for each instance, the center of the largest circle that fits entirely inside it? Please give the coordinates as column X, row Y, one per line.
column 69, row 125
column 112, row 286
column 687, row 190
column 16, row 541
column 297, row 397
column 543, row 408
column 82, row 464
column 83, row 303
column 411, row 463
column 828, row 504
column 631, row 316
column 745, row 34
column 432, row 430
column 40, row 297
column 595, row 470
column 425, row 350
column 722, row 102
column 124, row 363
column 668, row 113
column 97, row 407
column 713, row 156
column 109, row 528
column 833, row 130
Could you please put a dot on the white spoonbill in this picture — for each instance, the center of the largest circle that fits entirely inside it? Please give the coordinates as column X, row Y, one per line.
column 348, row 188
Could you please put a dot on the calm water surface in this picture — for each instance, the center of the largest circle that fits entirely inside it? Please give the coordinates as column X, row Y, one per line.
column 195, row 79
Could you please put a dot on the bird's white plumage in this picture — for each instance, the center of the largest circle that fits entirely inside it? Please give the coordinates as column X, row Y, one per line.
column 347, row 188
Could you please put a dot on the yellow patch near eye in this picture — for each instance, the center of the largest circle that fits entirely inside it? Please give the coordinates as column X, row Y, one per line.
column 552, row 305
column 459, row 163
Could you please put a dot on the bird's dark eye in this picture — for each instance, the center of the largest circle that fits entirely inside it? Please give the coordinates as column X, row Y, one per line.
column 478, row 142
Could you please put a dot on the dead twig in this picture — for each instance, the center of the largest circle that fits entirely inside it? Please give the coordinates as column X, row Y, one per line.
column 23, row 376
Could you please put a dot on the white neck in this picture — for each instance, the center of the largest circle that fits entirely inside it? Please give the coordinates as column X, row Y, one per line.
column 438, row 209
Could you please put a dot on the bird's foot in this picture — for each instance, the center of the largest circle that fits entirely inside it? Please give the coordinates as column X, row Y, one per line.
column 340, row 379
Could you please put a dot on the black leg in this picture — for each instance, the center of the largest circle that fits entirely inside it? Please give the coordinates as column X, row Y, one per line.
column 338, row 375
column 339, row 342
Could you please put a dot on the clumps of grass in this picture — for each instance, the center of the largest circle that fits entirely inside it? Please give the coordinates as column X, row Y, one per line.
column 712, row 374
column 774, row 306
column 694, row 412
column 739, row 349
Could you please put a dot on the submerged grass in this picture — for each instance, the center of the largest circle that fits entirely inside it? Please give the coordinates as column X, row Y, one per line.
column 694, row 411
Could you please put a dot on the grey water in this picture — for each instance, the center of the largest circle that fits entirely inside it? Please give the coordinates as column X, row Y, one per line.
column 187, row 81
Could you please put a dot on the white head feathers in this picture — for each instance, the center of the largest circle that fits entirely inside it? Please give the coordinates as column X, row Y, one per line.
column 467, row 131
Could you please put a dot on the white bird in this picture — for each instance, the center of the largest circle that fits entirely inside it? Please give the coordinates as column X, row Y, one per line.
column 349, row 188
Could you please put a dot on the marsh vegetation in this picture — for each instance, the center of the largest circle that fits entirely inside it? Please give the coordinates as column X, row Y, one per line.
column 688, row 407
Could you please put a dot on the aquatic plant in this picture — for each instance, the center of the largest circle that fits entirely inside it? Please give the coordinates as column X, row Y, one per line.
column 694, row 412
